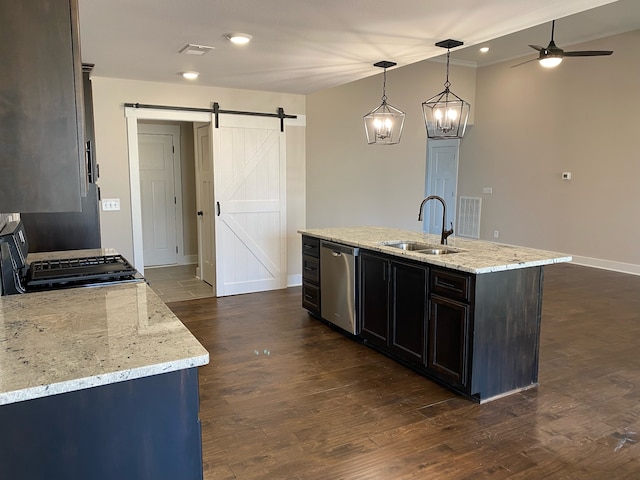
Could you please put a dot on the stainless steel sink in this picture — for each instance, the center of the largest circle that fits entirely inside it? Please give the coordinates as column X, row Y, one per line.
column 423, row 248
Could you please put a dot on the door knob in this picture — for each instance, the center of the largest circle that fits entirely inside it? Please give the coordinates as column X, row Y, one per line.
column 200, row 213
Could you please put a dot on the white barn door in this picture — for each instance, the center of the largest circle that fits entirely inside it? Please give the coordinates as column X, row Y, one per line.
column 249, row 187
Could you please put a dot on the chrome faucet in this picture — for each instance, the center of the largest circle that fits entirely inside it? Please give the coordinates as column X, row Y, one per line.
column 445, row 233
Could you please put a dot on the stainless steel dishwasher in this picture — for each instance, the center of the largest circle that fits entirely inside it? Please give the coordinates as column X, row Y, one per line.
column 338, row 285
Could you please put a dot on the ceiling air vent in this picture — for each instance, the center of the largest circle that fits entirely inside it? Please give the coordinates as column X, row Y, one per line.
column 193, row 49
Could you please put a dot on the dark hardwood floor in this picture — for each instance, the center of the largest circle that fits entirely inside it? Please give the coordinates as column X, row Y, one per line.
column 286, row 397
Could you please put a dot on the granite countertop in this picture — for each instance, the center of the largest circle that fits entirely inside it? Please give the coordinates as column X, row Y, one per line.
column 474, row 256
column 60, row 341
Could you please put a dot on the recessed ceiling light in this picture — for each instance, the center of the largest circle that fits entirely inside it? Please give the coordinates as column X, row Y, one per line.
column 190, row 75
column 193, row 49
column 239, row 38
column 484, row 49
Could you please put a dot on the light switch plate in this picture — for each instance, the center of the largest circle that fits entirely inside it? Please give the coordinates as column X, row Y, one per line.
column 110, row 204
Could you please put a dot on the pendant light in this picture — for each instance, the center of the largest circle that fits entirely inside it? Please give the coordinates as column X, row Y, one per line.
column 446, row 114
column 383, row 125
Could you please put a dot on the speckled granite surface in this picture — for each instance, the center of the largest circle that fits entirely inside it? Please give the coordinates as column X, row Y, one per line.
column 65, row 340
column 474, row 256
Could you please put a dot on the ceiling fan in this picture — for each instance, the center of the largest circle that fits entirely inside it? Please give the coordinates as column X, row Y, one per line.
column 552, row 55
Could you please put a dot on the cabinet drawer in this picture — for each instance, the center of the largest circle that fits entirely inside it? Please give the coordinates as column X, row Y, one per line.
column 311, row 269
column 311, row 246
column 311, row 297
column 449, row 284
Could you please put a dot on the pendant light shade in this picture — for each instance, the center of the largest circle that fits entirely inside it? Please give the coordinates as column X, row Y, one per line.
column 446, row 114
column 383, row 125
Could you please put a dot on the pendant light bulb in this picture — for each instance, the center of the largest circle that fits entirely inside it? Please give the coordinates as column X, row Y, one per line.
column 383, row 125
column 446, row 114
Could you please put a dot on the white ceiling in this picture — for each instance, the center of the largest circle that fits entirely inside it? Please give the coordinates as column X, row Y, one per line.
column 302, row 46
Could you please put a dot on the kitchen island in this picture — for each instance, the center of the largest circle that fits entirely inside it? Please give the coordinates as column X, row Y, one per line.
column 469, row 319
column 98, row 383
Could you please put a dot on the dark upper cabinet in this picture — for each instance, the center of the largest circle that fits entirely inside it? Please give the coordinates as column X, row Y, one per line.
column 42, row 160
column 56, row 231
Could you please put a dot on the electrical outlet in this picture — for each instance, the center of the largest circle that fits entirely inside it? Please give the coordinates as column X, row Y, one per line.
column 488, row 190
column 566, row 175
column 110, row 204
column 496, row 234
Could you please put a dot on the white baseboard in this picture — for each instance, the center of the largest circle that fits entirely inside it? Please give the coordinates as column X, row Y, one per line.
column 607, row 264
column 294, row 280
column 187, row 259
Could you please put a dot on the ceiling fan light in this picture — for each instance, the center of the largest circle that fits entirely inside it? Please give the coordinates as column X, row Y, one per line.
column 550, row 62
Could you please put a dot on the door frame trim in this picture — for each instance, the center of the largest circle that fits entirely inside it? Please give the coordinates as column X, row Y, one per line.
column 132, row 116
column 174, row 131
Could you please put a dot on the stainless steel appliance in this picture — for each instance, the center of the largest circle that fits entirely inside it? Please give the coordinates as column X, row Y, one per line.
column 338, row 285
column 18, row 276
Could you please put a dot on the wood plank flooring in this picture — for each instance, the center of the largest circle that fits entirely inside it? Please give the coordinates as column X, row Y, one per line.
column 287, row 397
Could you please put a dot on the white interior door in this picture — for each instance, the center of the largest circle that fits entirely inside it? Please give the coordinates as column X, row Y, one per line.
column 158, row 198
column 250, row 222
column 442, row 180
column 204, row 201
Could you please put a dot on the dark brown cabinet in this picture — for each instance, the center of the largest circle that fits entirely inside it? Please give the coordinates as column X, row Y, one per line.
column 41, row 114
column 311, row 274
column 393, row 300
column 448, row 340
column 449, row 326
column 477, row 334
column 374, row 298
column 408, row 315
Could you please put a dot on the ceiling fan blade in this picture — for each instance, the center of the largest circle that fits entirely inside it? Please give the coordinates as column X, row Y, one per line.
column 537, row 47
column 518, row 64
column 588, row 53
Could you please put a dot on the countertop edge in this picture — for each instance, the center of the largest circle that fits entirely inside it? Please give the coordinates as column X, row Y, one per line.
column 445, row 261
column 101, row 379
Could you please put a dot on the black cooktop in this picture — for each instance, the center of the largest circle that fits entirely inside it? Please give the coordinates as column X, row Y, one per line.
column 97, row 269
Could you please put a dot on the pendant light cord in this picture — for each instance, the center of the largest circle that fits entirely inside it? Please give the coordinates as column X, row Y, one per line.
column 447, row 84
column 384, row 87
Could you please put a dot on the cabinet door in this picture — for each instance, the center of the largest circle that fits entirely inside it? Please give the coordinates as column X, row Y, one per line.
column 448, row 340
column 374, row 298
column 41, row 126
column 408, row 310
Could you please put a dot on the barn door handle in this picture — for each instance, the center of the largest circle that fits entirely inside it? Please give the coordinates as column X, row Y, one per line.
column 218, row 208
column 200, row 213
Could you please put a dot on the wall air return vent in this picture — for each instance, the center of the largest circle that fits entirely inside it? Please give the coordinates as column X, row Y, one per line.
column 193, row 49
column 469, row 217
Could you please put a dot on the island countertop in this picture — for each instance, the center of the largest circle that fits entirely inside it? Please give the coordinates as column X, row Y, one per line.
column 474, row 256
column 64, row 340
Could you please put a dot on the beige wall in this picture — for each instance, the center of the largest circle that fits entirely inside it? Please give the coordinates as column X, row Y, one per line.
column 530, row 125
column 109, row 96
column 352, row 183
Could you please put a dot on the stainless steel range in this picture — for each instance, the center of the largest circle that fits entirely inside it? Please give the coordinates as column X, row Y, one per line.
column 19, row 276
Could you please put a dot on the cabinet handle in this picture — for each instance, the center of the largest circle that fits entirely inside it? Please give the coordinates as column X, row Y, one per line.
column 446, row 284
column 218, row 208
